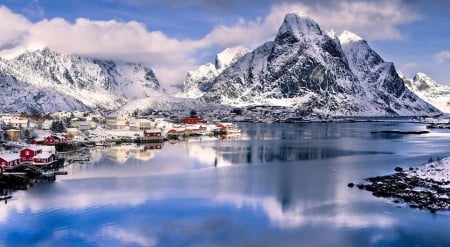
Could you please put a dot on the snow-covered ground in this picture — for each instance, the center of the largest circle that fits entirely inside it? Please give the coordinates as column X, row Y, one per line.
column 438, row 171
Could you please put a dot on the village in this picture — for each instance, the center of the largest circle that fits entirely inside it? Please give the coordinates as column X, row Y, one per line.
column 36, row 145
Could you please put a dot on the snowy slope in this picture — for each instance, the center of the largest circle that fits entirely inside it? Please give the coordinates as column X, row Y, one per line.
column 18, row 96
column 197, row 80
column 384, row 87
column 164, row 102
column 316, row 72
column 95, row 83
column 429, row 90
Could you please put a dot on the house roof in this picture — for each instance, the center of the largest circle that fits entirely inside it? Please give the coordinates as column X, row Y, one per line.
column 43, row 156
column 9, row 156
column 34, row 148
column 153, row 131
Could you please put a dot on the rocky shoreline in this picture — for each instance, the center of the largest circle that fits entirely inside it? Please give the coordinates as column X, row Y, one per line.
column 426, row 187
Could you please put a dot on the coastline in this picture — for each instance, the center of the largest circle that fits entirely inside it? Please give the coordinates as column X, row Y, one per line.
column 426, row 187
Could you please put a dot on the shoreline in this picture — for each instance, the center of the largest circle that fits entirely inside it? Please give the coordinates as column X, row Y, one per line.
column 426, row 187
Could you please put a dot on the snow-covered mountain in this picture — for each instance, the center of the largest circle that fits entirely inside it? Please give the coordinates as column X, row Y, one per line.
column 316, row 72
column 18, row 96
column 197, row 80
column 54, row 82
column 429, row 90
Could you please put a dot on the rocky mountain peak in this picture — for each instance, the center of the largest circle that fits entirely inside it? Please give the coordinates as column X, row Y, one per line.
column 423, row 82
column 316, row 72
column 298, row 27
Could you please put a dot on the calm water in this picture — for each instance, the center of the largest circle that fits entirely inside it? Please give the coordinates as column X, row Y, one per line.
column 277, row 185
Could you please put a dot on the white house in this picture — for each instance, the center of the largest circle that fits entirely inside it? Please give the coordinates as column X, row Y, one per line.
column 117, row 120
column 141, row 124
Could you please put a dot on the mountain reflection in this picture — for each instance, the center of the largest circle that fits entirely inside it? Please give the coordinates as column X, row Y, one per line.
column 203, row 192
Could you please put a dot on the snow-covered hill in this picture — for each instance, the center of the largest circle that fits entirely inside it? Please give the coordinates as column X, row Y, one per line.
column 17, row 96
column 316, row 72
column 70, row 82
column 429, row 90
column 197, row 80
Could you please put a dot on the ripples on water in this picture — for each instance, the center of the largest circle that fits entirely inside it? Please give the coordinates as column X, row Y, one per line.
column 278, row 185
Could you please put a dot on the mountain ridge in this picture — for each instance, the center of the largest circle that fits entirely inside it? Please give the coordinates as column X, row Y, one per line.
column 315, row 72
column 84, row 82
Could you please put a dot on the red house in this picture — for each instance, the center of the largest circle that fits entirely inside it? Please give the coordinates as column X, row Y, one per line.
column 27, row 154
column 193, row 120
column 9, row 160
column 152, row 133
column 49, row 140
column 43, row 158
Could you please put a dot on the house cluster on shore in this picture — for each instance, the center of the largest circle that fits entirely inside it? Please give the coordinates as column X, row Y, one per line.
column 66, row 131
column 36, row 155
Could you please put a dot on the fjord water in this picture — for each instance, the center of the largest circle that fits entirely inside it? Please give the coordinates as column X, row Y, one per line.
column 275, row 185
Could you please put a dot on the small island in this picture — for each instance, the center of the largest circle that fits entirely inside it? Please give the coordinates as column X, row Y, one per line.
column 426, row 187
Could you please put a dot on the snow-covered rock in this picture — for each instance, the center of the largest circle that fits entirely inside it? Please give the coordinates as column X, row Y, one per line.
column 197, row 80
column 384, row 88
column 82, row 82
column 429, row 90
column 316, row 72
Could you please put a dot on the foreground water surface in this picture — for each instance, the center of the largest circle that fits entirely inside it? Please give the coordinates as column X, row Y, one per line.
column 275, row 185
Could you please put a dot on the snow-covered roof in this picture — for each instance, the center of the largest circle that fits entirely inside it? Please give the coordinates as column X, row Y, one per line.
column 43, row 155
column 8, row 157
column 139, row 120
column 153, row 131
column 34, row 148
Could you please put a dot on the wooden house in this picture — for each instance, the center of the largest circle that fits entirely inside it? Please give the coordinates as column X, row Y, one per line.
column 27, row 154
column 43, row 158
column 8, row 160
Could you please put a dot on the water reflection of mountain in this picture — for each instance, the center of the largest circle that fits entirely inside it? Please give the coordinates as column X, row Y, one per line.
column 266, row 152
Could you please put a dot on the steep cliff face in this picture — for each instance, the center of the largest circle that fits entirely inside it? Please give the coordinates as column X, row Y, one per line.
column 316, row 72
column 384, row 88
column 87, row 83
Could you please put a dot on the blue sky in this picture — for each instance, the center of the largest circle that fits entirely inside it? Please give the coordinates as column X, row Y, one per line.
column 175, row 36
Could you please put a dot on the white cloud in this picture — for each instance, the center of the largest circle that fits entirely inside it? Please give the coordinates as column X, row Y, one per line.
column 13, row 28
column 171, row 58
column 374, row 20
column 442, row 56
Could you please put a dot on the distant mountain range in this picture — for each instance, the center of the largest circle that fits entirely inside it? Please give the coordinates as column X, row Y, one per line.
column 303, row 67
column 46, row 81
column 312, row 70
column 429, row 90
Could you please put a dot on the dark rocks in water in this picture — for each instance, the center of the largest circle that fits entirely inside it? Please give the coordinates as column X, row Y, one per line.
column 398, row 169
column 401, row 132
column 351, row 185
column 416, row 192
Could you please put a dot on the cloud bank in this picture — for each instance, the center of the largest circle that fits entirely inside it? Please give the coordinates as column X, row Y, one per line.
column 172, row 58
